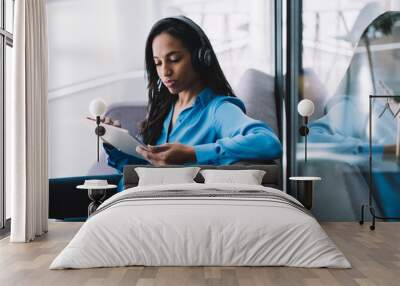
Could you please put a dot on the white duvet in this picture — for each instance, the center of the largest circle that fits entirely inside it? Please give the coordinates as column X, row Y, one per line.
column 200, row 231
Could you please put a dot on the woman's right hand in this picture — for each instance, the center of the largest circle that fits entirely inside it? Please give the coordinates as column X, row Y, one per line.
column 107, row 120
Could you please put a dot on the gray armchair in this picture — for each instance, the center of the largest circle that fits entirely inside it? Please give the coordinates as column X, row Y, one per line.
column 257, row 91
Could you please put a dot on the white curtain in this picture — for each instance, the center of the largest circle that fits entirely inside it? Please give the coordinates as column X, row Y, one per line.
column 26, row 123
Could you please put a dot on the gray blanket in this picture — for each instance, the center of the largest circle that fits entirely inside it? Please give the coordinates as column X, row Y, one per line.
column 206, row 194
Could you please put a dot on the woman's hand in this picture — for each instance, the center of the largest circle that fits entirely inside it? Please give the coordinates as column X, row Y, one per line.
column 168, row 154
column 107, row 120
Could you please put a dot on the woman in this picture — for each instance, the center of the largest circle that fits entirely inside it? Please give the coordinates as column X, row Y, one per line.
column 193, row 115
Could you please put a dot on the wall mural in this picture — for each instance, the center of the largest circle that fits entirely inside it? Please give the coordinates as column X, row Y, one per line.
column 144, row 101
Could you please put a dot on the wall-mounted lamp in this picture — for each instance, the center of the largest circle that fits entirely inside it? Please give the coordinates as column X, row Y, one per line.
column 305, row 109
column 97, row 107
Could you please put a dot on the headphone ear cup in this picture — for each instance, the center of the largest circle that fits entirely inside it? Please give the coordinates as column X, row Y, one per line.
column 205, row 57
column 202, row 58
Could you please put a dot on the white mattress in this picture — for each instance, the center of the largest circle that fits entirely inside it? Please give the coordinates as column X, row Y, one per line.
column 182, row 231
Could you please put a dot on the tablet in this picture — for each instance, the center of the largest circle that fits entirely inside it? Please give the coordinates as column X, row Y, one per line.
column 122, row 140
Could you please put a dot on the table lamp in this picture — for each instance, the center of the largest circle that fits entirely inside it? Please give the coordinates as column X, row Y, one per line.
column 97, row 107
column 305, row 109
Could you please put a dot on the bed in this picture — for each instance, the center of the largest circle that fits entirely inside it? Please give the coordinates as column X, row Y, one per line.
column 201, row 224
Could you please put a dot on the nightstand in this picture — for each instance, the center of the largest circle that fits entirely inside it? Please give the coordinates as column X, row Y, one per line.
column 96, row 195
column 305, row 186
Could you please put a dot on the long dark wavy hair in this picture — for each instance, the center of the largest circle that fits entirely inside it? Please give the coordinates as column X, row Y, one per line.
column 161, row 100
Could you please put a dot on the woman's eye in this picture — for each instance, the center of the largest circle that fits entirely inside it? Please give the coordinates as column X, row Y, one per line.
column 175, row 59
column 157, row 63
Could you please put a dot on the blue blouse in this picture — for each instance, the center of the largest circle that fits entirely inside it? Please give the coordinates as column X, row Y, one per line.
column 219, row 131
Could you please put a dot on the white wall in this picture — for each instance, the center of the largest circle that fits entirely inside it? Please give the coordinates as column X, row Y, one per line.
column 91, row 44
column 94, row 38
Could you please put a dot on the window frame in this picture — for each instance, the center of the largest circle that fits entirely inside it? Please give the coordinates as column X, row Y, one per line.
column 294, row 69
column 6, row 39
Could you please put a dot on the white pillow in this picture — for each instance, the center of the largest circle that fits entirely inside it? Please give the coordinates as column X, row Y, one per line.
column 163, row 176
column 248, row 177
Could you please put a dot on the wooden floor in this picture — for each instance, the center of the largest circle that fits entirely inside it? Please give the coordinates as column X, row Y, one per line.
column 375, row 257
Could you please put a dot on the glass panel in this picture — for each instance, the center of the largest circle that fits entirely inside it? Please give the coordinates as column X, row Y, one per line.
column 84, row 64
column 9, row 15
column 284, row 34
column 2, row 202
column 8, row 69
column 1, row 14
column 350, row 50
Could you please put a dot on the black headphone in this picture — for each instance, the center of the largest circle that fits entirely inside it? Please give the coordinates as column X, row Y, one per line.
column 202, row 58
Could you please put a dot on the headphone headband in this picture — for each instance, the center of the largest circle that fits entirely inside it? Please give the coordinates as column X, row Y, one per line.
column 193, row 25
column 202, row 57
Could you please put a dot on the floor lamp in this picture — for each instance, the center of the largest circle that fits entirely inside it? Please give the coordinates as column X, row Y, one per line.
column 305, row 109
column 97, row 107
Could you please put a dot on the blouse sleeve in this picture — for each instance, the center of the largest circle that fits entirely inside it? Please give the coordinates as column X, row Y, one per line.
column 241, row 138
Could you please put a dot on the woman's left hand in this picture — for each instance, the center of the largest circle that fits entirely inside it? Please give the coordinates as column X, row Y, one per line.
column 168, row 154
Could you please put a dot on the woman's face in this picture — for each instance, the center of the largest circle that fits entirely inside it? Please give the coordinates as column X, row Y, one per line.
column 173, row 64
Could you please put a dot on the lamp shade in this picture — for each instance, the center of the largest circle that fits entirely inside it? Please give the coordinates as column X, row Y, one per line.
column 305, row 107
column 97, row 107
